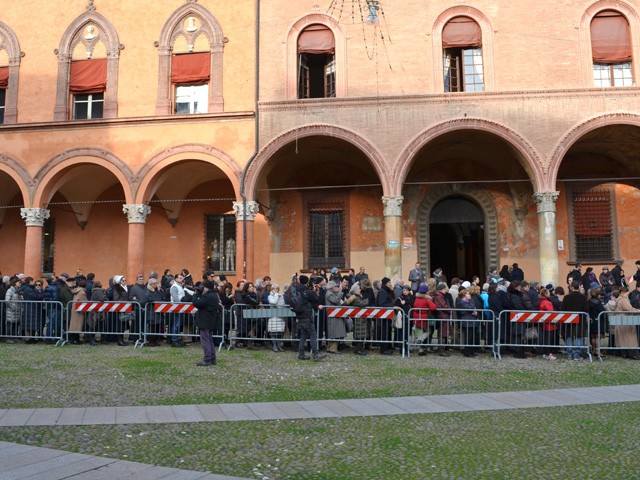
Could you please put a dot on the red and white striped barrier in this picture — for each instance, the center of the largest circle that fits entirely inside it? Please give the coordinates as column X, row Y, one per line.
column 354, row 312
column 119, row 307
column 545, row 317
column 174, row 308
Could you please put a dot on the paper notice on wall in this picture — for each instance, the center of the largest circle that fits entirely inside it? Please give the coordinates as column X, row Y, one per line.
column 407, row 243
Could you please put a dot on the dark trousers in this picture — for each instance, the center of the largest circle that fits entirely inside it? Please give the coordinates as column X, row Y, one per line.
column 208, row 345
column 307, row 331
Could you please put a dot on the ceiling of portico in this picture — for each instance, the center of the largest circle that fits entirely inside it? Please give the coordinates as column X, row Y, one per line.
column 611, row 152
column 466, row 156
column 317, row 161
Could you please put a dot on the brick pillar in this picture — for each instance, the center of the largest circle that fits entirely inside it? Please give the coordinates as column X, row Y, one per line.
column 245, row 264
column 392, row 236
column 137, row 216
column 34, row 220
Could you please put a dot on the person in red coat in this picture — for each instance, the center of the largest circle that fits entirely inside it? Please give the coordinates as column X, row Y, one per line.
column 424, row 309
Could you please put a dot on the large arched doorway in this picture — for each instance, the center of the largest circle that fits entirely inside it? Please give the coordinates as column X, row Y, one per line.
column 456, row 236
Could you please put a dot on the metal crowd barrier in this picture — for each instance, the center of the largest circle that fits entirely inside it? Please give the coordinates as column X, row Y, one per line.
column 621, row 332
column 542, row 332
column 250, row 324
column 469, row 335
column 111, row 321
column 173, row 322
column 370, row 325
column 31, row 320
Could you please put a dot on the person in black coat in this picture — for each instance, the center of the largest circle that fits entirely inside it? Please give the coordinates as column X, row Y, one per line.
column 386, row 298
column 207, row 302
column 574, row 333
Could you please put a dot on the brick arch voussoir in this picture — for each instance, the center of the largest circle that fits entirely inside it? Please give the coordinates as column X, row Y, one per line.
column 373, row 154
column 481, row 198
column 22, row 178
column 111, row 34
column 532, row 160
column 575, row 133
column 148, row 174
column 69, row 158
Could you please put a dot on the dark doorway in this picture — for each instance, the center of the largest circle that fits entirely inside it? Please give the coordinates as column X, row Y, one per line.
column 456, row 238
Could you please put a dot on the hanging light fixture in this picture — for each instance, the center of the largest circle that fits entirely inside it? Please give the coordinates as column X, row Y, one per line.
column 374, row 6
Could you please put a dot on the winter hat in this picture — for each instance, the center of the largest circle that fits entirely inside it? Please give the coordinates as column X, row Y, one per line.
column 117, row 279
column 466, row 284
column 64, row 275
column 354, row 287
column 6, row 279
column 437, row 271
column 549, row 286
column 385, row 280
column 21, row 276
column 534, row 284
column 406, row 287
column 594, row 285
column 334, row 270
column 423, row 289
column 303, row 279
column 441, row 286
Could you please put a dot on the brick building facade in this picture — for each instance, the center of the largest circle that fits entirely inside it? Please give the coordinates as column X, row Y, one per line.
column 460, row 135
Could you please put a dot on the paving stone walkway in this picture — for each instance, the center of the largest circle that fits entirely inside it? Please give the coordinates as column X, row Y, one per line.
column 234, row 412
column 27, row 462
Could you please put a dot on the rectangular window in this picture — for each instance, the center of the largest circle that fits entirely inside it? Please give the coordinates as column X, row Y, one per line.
column 86, row 106
column 612, row 75
column 592, row 211
column 326, row 238
column 221, row 243
column 3, row 96
column 191, row 99
column 48, row 237
column 463, row 71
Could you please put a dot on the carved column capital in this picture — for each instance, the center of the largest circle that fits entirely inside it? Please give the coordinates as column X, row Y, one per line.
column 34, row 217
column 136, row 212
column 250, row 214
column 546, row 201
column 392, row 206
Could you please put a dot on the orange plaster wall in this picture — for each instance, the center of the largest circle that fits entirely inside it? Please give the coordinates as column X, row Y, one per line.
column 628, row 216
column 39, row 29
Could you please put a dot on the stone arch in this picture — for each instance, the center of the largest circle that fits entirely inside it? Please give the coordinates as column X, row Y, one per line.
column 22, row 178
column 488, row 61
column 291, row 43
column 210, row 27
column 578, row 131
column 480, row 198
column 109, row 36
column 191, row 151
column 264, row 155
column 531, row 160
column 9, row 42
column 54, row 170
column 585, row 35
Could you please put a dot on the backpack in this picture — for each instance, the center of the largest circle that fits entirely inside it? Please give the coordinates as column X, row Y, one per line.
column 296, row 303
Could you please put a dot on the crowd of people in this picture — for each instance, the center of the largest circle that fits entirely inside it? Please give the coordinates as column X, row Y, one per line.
column 441, row 314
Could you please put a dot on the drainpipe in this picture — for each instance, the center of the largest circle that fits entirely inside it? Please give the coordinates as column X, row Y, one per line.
column 255, row 146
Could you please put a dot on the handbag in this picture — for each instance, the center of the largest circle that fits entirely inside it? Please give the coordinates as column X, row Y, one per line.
column 397, row 321
column 531, row 333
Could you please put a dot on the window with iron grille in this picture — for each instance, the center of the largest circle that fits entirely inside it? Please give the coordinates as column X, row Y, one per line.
column 221, row 243
column 593, row 226
column 326, row 238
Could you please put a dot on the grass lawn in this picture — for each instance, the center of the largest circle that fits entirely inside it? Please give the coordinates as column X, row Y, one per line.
column 592, row 441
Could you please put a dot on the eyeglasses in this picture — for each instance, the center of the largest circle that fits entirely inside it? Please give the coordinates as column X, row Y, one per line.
column 38, row 284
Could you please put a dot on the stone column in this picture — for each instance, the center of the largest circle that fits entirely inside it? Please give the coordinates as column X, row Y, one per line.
column 244, row 264
column 392, row 236
column 548, row 235
column 34, row 220
column 137, row 216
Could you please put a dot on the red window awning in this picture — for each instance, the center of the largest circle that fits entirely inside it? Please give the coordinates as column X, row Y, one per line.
column 88, row 76
column 316, row 39
column 4, row 77
column 191, row 68
column 610, row 38
column 461, row 32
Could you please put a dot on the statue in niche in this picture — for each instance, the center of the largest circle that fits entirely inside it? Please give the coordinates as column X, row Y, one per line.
column 230, row 255
column 90, row 32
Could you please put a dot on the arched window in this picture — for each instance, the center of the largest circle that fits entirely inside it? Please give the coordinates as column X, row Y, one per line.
column 462, row 53
column 190, row 76
column 611, row 50
column 316, row 62
column 88, row 70
column 10, row 56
